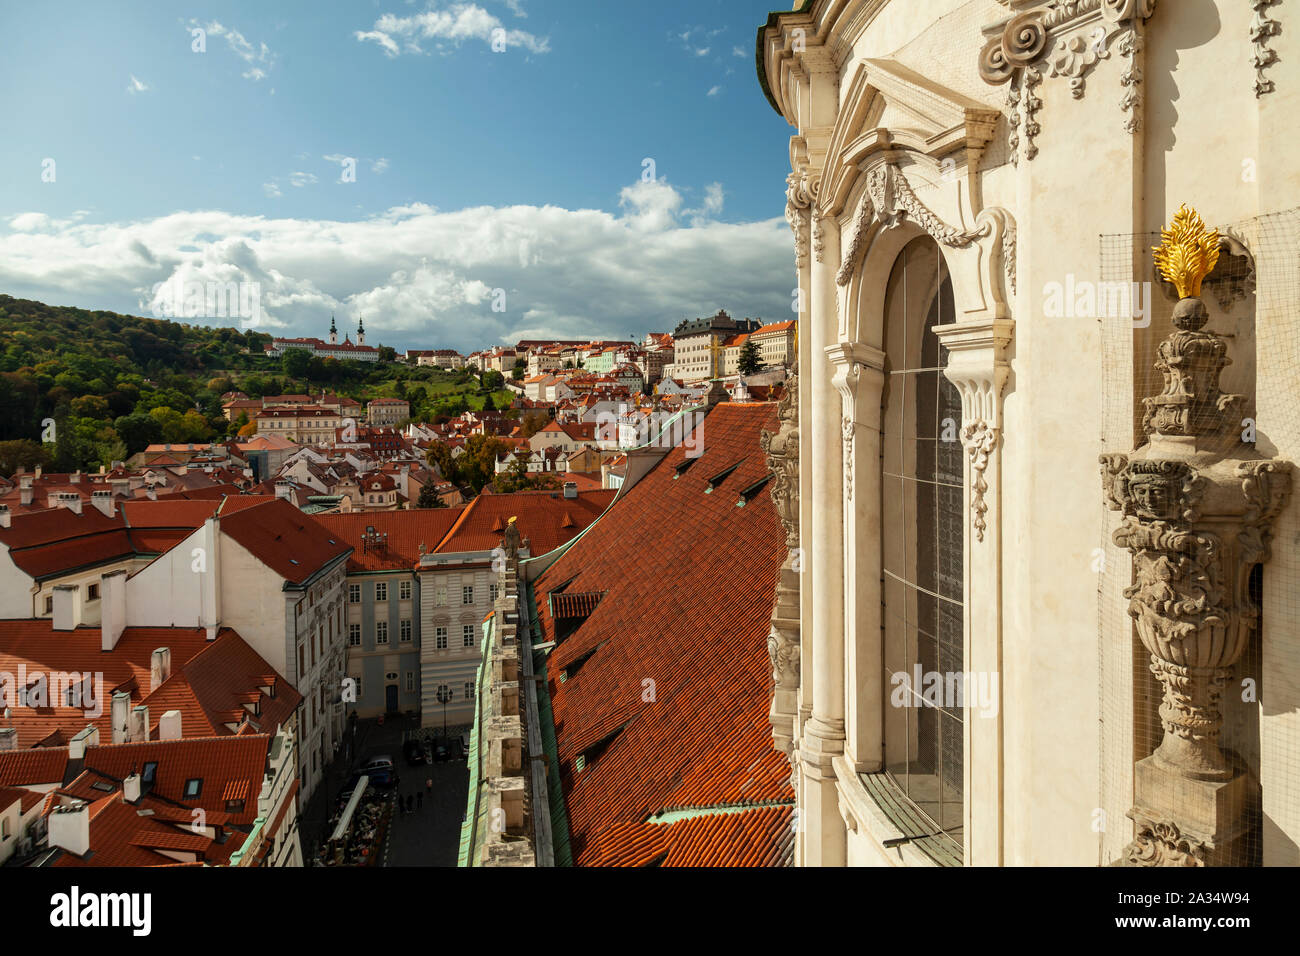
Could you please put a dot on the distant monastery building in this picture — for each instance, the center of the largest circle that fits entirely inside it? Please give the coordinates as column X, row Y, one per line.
column 345, row 350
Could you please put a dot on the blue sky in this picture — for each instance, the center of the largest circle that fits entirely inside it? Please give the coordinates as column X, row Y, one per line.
column 521, row 170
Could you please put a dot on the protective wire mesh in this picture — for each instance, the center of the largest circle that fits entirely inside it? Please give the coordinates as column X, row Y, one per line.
column 1252, row 297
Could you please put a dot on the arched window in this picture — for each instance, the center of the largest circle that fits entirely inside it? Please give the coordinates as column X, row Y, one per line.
column 922, row 540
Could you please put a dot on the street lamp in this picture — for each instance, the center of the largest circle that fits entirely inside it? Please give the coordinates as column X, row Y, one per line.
column 444, row 695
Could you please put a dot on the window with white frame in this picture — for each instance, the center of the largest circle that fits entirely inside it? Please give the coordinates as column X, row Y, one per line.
column 440, row 598
column 467, row 594
column 354, row 593
column 467, row 635
column 354, row 635
column 381, row 632
column 381, row 590
column 493, row 591
column 469, row 690
column 404, row 630
column 440, row 636
column 404, row 591
column 410, row 680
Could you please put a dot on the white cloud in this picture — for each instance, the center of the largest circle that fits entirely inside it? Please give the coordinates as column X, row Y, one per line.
column 517, row 8
column 302, row 179
column 737, row 51
column 379, row 165
column 136, row 86
column 425, row 277
column 271, row 189
column 453, row 25
column 714, row 91
column 257, row 56
column 702, row 51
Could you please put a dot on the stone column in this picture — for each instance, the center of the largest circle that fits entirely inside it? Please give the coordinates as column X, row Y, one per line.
column 978, row 367
column 823, row 737
column 859, row 378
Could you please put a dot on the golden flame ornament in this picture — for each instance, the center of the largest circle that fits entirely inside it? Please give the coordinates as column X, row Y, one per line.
column 1187, row 252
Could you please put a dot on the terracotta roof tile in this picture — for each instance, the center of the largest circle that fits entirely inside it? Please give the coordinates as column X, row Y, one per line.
column 692, row 614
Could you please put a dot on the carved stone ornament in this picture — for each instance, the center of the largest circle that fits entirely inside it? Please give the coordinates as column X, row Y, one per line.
column 797, row 214
column 979, row 439
column 889, row 200
column 1262, row 27
column 782, row 450
column 1159, row 842
column 1198, row 508
column 1064, row 38
column 847, row 428
column 819, row 237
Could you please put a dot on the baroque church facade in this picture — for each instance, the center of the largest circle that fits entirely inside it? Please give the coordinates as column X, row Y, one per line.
column 1042, row 599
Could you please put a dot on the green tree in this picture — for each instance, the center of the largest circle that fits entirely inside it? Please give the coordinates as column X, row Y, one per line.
column 429, row 497
column 751, row 362
column 439, row 457
column 492, row 381
column 138, row 431
column 387, row 354
column 477, row 465
column 22, row 453
column 296, row 363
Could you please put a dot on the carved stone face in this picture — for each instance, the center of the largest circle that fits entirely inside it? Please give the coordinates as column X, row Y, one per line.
column 1153, row 496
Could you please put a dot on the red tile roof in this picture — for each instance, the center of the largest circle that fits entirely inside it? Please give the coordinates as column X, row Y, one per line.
column 284, row 539
column 759, row 836
column 406, row 531
column 546, row 518
column 692, row 614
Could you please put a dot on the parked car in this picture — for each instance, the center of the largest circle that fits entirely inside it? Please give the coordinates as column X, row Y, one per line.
column 464, row 745
column 413, row 751
column 440, row 751
column 380, row 770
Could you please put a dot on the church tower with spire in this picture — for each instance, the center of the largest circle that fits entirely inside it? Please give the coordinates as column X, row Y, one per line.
column 361, row 332
column 334, row 332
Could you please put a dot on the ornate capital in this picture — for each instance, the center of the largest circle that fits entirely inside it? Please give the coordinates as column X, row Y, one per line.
column 978, row 366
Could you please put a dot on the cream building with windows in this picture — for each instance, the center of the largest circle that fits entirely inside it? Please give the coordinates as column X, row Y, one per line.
column 1041, row 601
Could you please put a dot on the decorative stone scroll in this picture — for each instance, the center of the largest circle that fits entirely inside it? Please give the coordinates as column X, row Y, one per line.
column 782, row 450
column 1064, row 38
column 1198, row 507
column 1262, row 27
column 979, row 439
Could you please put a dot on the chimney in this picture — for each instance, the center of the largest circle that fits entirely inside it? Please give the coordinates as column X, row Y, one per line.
column 103, row 500
column 67, row 607
column 120, row 717
column 25, row 492
column 283, row 489
column 112, row 608
column 131, row 787
column 570, row 489
column 75, row 477
column 5, row 517
column 139, row 724
column 160, row 667
column 604, row 474
column 85, row 739
column 38, row 472
column 169, row 726
column 151, row 492
column 70, row 828
column 8, row 739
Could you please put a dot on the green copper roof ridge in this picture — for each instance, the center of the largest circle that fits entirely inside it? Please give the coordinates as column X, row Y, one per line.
column 667, row 816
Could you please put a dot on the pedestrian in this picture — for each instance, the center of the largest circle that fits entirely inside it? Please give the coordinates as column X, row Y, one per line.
column 428, row 786
column 419, row 800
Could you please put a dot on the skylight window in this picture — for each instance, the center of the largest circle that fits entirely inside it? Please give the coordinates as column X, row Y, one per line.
column 150, row 772
column 747, row 494
column 719, row 478
column 193, row 787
